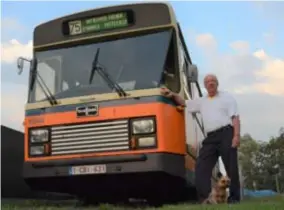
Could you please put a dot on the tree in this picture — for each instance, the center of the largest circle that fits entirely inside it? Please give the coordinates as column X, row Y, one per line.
column 275, row 165
column 264, row 168
column 262, row 163
column 247, row 155
column 281, row 133
column 267, row 164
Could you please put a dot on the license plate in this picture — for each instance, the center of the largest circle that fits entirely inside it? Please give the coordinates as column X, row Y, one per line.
column 88, row 169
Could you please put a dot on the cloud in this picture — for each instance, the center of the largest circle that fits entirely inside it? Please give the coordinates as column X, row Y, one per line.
column 272, row 72
column 254, row 77
column 261, row 114
column 234, row 69
column 240, row 46
column 13, row 49
column 249, row 71
column 11, row 24
column 13, row 99
column 269, row 78
column 206, row 41
column 13, row 87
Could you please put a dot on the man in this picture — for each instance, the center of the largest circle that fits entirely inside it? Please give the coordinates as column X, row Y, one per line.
column 222, row 125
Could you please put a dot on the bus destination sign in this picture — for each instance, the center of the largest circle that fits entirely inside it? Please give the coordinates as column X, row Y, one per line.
column 99, row 23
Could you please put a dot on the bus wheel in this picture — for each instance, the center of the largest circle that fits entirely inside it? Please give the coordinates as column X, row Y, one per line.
column 160, row 201
column 190, row 195
column 92, row 201
column 87, row 201
column 154, row 202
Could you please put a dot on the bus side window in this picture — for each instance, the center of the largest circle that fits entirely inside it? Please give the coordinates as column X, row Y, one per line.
column 194, row 131
column 171, row 74
column 45, row 71
column 183, row 67
column 198, row 120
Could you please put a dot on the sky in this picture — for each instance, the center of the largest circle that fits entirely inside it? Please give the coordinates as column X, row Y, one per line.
column 241, row 42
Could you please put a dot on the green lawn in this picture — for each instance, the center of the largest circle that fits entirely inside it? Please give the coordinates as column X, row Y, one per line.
column 275, row 203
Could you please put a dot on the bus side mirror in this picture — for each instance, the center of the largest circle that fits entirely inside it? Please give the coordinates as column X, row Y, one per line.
column 192, row 73
column 20, row 65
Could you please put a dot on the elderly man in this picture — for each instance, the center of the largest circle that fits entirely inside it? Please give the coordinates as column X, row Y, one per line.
column 221, row 122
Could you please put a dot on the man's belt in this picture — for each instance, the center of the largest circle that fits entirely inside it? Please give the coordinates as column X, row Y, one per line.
column 219, row 130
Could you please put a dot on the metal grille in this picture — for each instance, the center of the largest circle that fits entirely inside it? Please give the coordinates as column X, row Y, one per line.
column 91, row 137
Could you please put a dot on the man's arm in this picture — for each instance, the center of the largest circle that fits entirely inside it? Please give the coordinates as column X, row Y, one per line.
column 193, row 105
column 175, row 97
column 233, row 112
column 237, row 125
column 179, row 100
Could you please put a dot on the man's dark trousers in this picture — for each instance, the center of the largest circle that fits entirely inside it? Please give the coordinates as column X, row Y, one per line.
column 217, row 143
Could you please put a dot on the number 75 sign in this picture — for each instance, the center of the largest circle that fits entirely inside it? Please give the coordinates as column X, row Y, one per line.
column 75, row 27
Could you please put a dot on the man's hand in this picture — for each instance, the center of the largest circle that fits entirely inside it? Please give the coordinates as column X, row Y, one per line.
column 236, row 141
column 175, row 97
column 166, row 92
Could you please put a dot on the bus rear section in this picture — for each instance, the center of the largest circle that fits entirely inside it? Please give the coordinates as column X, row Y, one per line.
column 109, row 154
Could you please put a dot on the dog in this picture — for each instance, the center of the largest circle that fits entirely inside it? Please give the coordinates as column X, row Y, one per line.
column 219, row 192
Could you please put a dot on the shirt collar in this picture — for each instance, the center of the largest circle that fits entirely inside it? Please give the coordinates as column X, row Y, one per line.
column 217, row 94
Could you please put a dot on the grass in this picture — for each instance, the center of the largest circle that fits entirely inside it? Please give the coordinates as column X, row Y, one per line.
column 272, row 203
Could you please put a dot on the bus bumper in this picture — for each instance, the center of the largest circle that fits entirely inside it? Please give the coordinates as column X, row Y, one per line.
column 132, row 174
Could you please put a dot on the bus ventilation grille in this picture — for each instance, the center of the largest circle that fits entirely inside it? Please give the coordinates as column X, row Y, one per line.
column 90, row 137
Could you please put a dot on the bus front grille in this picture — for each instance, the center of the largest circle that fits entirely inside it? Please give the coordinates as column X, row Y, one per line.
column 89, row 138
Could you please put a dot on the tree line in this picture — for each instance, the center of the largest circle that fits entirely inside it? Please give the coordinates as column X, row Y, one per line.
column 262, row 162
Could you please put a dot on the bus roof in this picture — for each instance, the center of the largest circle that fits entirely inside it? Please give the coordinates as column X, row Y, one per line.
column 145, row 15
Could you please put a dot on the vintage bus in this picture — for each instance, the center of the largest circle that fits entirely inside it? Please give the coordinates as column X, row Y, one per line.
column 96, row 125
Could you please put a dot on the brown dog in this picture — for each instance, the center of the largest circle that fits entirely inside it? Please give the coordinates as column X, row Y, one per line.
column 219, row 191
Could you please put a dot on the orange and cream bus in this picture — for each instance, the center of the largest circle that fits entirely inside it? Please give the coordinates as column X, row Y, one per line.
column 96, row 125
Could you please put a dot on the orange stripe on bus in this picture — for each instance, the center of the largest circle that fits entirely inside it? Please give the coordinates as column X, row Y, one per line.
column 170, row 127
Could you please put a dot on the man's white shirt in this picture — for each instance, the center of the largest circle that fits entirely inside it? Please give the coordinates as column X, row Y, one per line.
column 216, row 112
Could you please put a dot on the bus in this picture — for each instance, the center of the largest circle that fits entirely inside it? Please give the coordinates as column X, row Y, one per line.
column 96, row 125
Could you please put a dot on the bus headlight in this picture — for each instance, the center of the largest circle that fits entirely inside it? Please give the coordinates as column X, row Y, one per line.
column 37, row 150
column 143, row 126
column 146, row 141
column 39, row 135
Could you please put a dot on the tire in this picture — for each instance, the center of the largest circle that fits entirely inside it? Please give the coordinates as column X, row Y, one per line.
column 94, row 201
column 155, row 202
column 87, row 201
column 190, row 195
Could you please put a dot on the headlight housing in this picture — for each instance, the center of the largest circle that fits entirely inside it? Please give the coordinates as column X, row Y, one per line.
column 143, row 126
column 146, row 141
column 37, row 150
column 39, row 135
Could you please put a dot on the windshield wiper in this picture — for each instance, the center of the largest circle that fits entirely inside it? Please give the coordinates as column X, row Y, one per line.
column 35, row 77
column 103, row 73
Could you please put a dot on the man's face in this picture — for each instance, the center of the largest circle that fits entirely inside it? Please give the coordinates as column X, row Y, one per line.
column 211, row 84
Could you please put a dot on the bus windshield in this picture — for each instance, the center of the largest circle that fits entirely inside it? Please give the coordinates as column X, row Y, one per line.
column 133, row 63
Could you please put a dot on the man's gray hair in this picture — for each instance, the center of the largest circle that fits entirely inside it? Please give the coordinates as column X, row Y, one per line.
column 211, row 75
